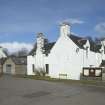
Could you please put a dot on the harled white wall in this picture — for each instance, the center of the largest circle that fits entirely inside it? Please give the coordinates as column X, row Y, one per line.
column 64, row 59
column 30, row 62
column 91, row 59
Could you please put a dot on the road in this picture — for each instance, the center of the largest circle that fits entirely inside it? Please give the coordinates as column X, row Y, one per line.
column 20, row 91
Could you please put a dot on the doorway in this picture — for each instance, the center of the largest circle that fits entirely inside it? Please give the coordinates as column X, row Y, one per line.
column 47, row 68
column 8, row 68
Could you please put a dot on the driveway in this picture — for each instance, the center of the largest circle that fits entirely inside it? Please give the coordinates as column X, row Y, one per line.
column 20, row 91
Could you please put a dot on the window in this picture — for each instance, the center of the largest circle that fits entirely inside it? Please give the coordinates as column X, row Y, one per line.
column 33, row 67
column 8, row 68
column 92, row 72
column 77, row 50
column 47, row 68
column 8, row 65
column 104, row 49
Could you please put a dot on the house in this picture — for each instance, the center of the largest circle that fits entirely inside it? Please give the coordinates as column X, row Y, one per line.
column 66, row 57
column 3, row 55
column 14, row 65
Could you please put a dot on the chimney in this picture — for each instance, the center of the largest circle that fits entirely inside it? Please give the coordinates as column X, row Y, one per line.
column 65, row 29
column 40, row 41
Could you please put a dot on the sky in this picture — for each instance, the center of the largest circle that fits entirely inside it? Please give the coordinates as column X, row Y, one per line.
column 21, row 20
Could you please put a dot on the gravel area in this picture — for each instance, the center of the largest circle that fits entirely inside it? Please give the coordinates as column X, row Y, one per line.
column 20, row 91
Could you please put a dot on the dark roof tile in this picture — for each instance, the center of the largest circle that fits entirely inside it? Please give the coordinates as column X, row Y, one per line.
column 102, row 63
column 79, row 41
column 48, row 47
column 2, row 60
column 94, row 46
column 33, row 50
column 20, row 60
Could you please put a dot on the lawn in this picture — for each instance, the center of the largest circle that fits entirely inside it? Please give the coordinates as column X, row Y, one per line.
column 80, row 82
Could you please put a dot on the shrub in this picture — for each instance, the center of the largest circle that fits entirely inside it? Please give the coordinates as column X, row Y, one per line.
column 42, row 73
column 37, row 72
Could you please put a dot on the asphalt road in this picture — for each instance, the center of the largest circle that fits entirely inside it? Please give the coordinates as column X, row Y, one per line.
column 18, row 91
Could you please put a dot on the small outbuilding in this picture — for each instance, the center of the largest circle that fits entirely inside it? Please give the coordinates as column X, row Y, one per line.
column 14, row 65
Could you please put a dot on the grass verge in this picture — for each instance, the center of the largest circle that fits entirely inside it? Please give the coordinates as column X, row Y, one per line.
column 79, row 82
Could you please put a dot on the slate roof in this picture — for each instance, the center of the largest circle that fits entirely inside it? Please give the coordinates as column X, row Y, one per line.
column 2, row 60
column 33, row 51
column 47, row 47
column 17, row 60
column 20, row 60
column 79, row 41
column 94, row 46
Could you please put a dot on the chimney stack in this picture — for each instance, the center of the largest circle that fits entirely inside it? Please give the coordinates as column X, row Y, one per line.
column 65, row 29
column 40, row 41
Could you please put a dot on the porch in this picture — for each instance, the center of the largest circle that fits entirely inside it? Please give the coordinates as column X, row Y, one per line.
column 91, row 73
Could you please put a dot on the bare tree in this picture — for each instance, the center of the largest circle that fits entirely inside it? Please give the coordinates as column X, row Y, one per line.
column 5, row 50
column 22, row 52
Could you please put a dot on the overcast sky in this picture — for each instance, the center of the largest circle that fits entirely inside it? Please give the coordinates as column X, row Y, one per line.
column 21, row 20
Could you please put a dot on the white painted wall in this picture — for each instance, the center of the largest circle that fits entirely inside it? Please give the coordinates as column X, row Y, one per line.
column 30, row 62
column 63, row 58
column 39, row 61
column 92, row 59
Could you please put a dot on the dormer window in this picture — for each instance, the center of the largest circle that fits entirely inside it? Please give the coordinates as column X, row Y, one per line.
column 87, row 47
column 77, row 50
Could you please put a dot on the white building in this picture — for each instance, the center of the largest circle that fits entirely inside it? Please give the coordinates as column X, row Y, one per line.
column 66, row 57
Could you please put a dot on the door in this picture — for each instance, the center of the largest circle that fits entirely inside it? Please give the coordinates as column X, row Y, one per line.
column 92, row 72
column 8, row 68
column 47, row 68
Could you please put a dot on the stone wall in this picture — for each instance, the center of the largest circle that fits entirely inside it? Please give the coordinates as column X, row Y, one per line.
column 90, row 78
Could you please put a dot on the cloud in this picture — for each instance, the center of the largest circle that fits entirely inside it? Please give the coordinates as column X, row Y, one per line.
column 72, row 21
column 16, row 46
column 100, row 28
